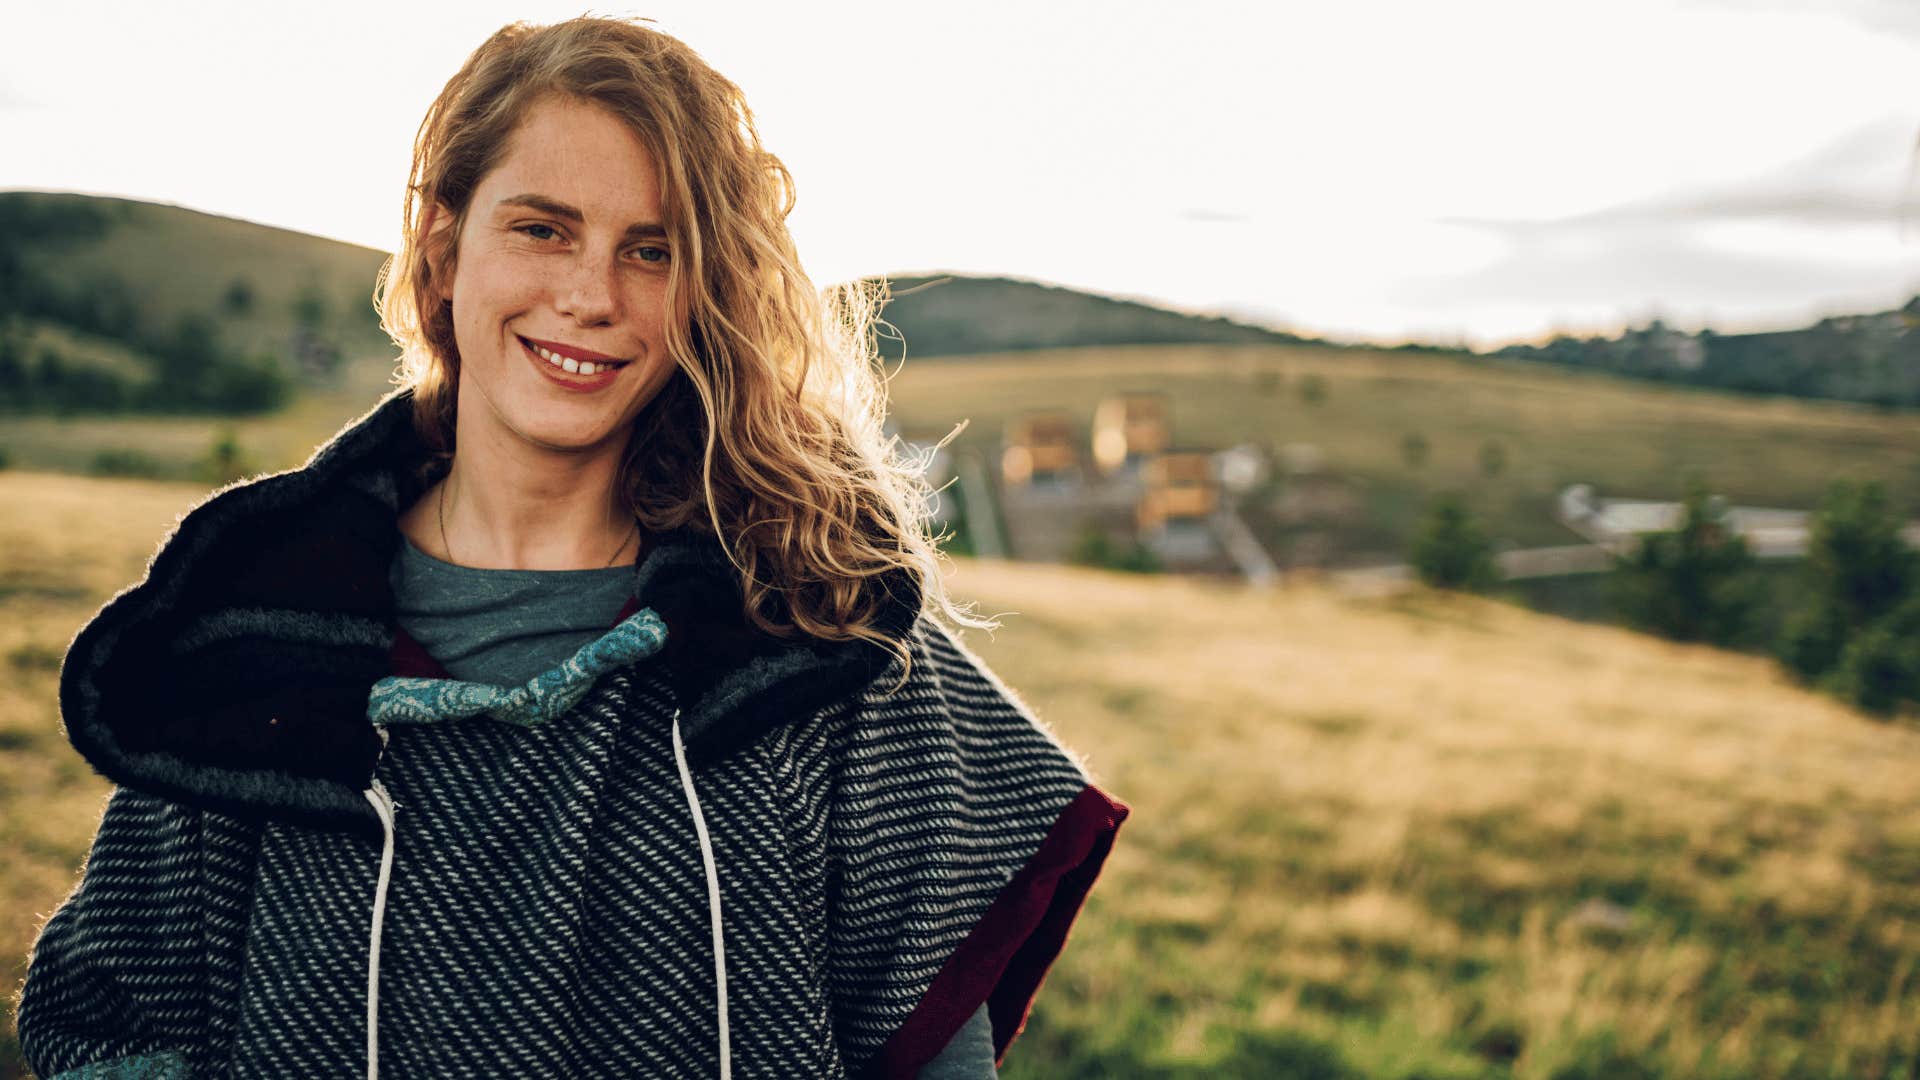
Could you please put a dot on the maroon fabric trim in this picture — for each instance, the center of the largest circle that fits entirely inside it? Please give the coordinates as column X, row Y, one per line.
column 409, row 657
column 1005, row 958
column 632, row 608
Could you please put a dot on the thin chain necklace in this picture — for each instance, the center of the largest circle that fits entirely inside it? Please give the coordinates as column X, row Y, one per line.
column 442, row 505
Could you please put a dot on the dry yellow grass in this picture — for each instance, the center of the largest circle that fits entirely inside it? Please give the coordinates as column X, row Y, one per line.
column 1375, row 815
column 1369, row 825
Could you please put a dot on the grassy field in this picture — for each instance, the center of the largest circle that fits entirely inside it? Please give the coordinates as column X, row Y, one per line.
column 1556, row 427
column 1427, row 836
column 174, row 445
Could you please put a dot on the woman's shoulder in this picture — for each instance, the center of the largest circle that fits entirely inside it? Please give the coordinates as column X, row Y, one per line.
column 945, row 714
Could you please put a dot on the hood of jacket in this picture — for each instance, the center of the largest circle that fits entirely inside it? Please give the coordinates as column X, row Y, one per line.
column 235, row 675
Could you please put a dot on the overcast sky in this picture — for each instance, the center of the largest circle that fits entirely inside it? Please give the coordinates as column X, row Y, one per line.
column 1476, row 170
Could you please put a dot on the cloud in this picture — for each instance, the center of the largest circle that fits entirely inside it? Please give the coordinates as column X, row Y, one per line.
column 1851, row 181
column 1898, row 17
column 1821, row 230
column 13, row 100
column 1676, row 271
column 1213, row 217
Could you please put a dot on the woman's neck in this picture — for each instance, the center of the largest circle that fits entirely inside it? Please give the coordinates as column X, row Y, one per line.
column 524, row 508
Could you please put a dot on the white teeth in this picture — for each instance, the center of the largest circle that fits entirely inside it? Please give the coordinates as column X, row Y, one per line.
column 581, row 367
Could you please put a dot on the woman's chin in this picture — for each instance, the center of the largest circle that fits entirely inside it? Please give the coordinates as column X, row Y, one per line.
column 557, row 430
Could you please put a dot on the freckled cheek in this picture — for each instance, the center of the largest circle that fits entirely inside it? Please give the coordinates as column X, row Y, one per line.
column 508, row 293
column 648, row 303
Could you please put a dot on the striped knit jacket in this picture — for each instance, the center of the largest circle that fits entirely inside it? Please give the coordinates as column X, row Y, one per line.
column 732, row 855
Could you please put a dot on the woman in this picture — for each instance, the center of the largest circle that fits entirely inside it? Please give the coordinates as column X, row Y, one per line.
column 580, row 710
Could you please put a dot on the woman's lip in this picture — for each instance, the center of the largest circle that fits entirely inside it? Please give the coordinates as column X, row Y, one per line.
column 571, row 380
column 569, row 350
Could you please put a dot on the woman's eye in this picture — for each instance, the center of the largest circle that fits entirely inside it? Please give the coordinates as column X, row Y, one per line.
column 652, row 254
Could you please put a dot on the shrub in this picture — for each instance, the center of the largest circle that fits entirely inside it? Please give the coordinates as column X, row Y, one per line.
column 245, row 385
column 226, row 461
column 1413, row 449
column 1812, row 639
column 1858, row 637
column 238, row 299
column 1692, row 583
column 1313, row 389
column 1880, row 668
column 1856, row 560
column 1095, row 548
column 123, row 461
column 1450, row 551
column 1493, row 458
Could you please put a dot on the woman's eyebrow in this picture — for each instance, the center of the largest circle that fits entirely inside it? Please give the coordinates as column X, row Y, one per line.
column 648, row 229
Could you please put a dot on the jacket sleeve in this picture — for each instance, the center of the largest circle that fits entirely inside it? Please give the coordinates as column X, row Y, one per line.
column 117, row 985
column 962, row 842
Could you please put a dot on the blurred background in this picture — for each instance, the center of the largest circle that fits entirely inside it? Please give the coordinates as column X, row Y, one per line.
column 1450, row 468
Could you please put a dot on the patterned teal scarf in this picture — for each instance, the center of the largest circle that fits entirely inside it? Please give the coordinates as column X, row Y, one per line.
column 399, row 699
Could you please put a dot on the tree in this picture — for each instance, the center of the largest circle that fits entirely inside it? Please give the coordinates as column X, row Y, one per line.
column 1880, row 668
column 1856, row 558
column 1413, row 449
column 1858, row 637
column 226, row 460
column 310, row 307
column 1450, row 551
column 1093, row 547
column 1692, row 583
column 239, row 297
column 182, row 360
column 1493, row 458
column 1313, row 389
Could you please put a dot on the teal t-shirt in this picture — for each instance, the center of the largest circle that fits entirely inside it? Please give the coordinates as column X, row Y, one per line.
column 503, row 627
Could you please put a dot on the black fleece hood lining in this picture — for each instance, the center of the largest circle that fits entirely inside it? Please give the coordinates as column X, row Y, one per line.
column 311, row 547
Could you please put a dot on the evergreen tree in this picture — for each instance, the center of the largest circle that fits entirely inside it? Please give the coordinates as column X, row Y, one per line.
column 1879, row 670
column 1450, row 551
column 1692, row 583
column 239, row 297
column 1858, row 636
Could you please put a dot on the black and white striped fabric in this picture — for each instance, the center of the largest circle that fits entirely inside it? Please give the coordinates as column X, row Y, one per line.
column 887, row 862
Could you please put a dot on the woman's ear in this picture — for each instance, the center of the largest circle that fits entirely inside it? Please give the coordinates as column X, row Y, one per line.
column 437, row 225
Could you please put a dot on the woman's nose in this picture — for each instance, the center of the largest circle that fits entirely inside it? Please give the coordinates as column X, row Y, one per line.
column 589, row 294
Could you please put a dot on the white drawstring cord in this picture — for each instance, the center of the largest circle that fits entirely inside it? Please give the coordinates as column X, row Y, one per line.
column 713, row 895
column 383, row 806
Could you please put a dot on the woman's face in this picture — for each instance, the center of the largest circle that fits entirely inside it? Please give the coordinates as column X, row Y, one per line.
column 564, row 250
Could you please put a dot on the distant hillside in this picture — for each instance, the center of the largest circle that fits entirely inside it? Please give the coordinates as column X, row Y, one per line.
column 160, row 280
column 149, row 281
column 110, row 305
column 953, row 315
column 161, row 263
column 1873, row 359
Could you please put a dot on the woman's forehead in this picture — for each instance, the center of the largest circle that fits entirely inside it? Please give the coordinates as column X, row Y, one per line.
column 568, row 155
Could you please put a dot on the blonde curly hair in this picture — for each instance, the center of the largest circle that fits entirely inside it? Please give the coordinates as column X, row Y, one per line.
column 769, row 435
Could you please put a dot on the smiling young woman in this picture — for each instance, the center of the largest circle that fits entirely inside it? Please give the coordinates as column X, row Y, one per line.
column 589, row 707
column 556, row 287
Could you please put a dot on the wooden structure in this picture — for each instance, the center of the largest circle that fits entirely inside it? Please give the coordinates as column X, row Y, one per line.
column 1039, row 446
column 1130, row 427
column 1179, row 488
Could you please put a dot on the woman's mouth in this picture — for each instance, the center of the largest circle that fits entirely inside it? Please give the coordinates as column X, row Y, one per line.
column 565, row 371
